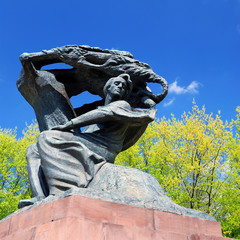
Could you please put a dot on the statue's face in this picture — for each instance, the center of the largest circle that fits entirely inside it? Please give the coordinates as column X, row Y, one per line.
column 118, row 87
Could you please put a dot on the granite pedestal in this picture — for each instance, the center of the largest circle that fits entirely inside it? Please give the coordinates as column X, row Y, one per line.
column 77, row 217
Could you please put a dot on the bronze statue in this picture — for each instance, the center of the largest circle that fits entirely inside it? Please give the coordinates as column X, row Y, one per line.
column 67, row 161
column 64, row 157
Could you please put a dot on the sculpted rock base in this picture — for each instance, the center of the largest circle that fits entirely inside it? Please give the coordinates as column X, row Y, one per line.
column 129, row 186
column 134, row 187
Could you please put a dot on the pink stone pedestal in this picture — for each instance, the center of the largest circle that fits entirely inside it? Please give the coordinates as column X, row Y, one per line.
column 79, row 218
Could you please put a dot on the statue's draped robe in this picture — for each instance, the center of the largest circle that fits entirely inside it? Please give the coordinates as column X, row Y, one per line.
column 71, row 159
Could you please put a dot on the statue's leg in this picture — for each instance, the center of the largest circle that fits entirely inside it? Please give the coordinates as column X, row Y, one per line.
column 36, row 177
column 35, row 174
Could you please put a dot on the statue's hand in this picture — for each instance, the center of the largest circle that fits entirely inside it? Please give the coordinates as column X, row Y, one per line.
column 60, row 127
column 67, row 126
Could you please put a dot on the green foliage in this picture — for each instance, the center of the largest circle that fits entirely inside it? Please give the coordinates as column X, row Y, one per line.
column 13, row 170
column 196, row 161
column 229, row 213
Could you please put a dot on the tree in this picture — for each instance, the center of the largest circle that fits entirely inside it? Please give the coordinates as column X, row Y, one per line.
column 13, row 168
column 229, row 213
column 190, row 157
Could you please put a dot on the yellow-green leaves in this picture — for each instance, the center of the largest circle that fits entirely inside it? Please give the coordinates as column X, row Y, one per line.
column 229, row 213
column 13, row 172
column 195, row 159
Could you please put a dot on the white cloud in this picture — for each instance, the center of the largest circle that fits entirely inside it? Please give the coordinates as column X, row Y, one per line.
column 191, row 88
column 173, row 87
column 170, row 102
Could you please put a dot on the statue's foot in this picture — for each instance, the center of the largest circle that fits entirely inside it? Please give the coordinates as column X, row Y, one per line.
column 28, row 202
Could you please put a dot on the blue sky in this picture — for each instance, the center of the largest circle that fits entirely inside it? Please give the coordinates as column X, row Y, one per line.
column 194, row 45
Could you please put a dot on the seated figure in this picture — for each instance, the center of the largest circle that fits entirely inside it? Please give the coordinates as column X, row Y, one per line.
column 71, row 159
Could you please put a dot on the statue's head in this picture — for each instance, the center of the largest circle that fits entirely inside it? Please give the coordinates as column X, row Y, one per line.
column 118, row 87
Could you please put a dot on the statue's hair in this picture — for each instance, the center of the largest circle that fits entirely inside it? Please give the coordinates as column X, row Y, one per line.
column 126, row 77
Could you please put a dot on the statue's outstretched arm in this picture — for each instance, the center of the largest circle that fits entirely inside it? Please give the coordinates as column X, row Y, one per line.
column 92, row 117
column 109, row 113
